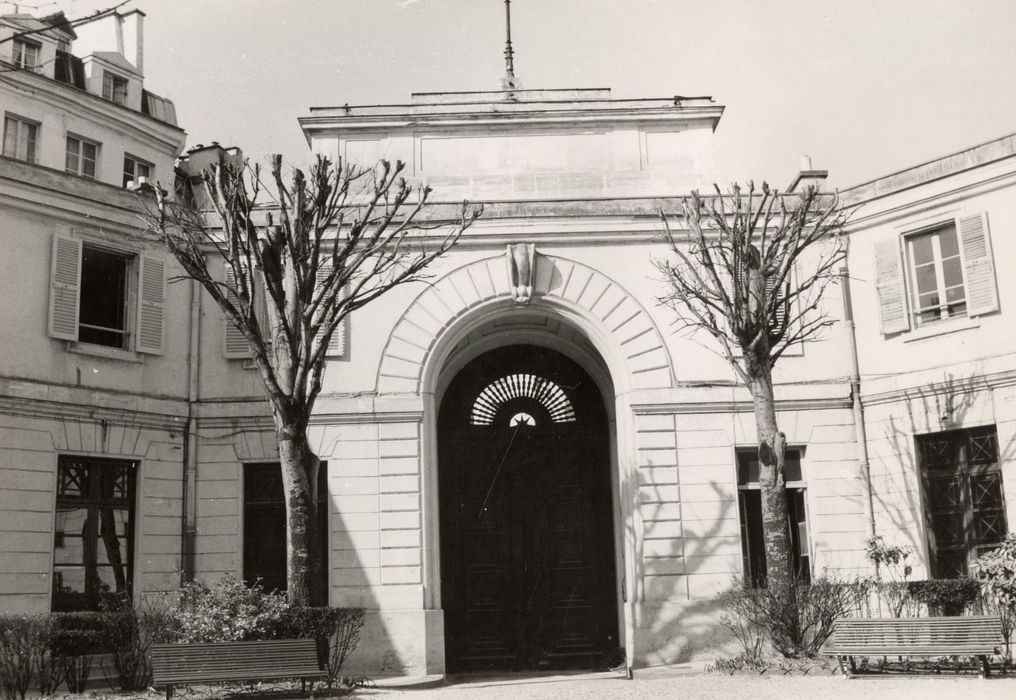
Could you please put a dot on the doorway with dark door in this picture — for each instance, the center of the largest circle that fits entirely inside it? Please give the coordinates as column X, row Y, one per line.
column 527, row 542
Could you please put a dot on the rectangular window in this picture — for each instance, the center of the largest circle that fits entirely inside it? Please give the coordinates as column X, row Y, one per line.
column 81, row 157
column 104, row 296
column 105, row 290
column 114, row 88
column 20, row 138
column 750, row 507
column 134, row 168
column 93, row 553
column 964, row 506
column 264, row 529
column 936, row 275
column 26, row 54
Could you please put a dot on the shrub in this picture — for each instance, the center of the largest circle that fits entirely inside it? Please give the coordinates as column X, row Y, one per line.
column 130, row 633
column 336, row 630
column 948, row 596
column 996, row 572
column 24, row 641
column 795, row 620
column 892, row 573
column 229, row 611
column 76, row 638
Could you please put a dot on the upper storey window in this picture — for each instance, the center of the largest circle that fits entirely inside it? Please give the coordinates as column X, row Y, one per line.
column 81, row 157
column 134, row 168
column 114, row 88
column 936, row 275
column 939, row 272
column 20, row 137
column 26, row 54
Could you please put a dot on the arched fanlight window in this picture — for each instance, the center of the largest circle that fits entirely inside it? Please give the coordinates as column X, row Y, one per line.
column 517, row 386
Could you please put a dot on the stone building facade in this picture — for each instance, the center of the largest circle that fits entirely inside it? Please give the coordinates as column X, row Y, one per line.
column 527, row 466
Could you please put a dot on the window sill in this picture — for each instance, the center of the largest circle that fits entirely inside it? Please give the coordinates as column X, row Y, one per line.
column 104, row 351
column 942, row 327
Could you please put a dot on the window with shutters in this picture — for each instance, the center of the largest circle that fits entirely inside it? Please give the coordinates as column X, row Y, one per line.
column 749, row 494
column 963, row 498
column 105, row 296
column 93, row 547
column 81, row 156
column 234, row 343
column 20, row 138
column 936, row 273
column 264, row 529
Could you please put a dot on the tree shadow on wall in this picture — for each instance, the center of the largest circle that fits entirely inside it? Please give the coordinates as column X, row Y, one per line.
column 899, row 489
column 679, row 615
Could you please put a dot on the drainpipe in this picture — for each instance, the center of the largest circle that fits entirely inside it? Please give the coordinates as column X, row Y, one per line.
column 190, row 441
column 855, row 394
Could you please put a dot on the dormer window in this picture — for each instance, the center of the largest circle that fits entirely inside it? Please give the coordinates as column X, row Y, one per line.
column 114, row 88
column 26, row 54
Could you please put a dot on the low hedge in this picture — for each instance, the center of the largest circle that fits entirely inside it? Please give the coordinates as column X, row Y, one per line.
column 948, row 596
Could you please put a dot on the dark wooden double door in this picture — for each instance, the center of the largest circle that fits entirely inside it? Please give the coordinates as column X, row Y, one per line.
column 528, row 575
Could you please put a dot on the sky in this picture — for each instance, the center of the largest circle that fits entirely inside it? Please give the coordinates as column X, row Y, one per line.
column 864, row 87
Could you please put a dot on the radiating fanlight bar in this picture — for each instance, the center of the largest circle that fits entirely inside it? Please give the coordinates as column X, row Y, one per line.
column 515, row 386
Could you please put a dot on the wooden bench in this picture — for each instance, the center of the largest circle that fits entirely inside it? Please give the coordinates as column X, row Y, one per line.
column 979, row 636
column 217, row 662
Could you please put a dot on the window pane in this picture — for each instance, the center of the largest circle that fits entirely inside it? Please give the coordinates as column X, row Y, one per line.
column 30, row 133
column 947, row 241
column 10, row 137
column 922, row 249
column 952, row 270
column 926, row 279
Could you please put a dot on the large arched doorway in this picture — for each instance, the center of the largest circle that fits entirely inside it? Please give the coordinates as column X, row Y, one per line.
column 527, row 545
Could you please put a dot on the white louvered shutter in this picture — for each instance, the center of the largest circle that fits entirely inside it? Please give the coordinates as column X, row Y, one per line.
column 892, row 302
column 64, row 288
column 151, row 305
column 978, row 266
column 337, row 343
column 234, row 343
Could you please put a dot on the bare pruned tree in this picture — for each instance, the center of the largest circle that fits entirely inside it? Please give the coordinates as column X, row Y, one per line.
column 327, row 244
column 750, row 271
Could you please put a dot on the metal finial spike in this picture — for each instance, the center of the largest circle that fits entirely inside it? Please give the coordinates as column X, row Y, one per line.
column 509, row 82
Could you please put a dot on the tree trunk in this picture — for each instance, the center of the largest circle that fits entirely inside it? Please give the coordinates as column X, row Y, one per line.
column 299, row 482
column 771, row 451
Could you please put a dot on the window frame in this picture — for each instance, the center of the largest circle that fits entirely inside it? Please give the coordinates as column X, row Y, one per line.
column 914, row 293
column 129, row 295
column 961, row 471
column 110, row 82
column 135, row 164
column 19, row 58
column 94, row 505
column 79, row 158
column 21, row 145
column 793, row 487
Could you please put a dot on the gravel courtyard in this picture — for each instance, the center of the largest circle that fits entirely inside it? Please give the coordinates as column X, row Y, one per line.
column 708, row 686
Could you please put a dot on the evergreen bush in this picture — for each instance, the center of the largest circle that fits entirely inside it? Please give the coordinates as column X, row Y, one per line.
column 949, row 596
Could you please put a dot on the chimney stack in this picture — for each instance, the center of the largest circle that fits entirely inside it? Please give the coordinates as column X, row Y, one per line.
column 808, row 176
